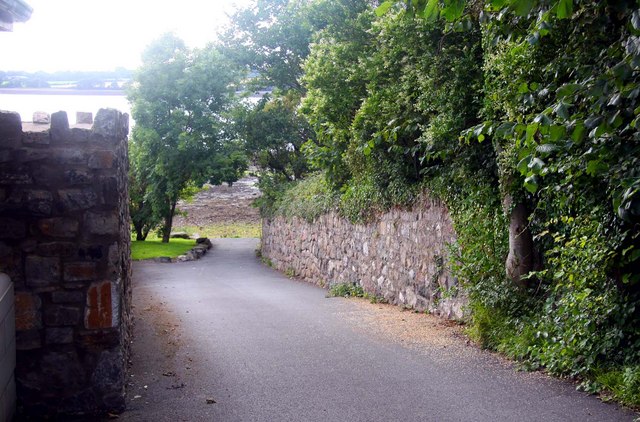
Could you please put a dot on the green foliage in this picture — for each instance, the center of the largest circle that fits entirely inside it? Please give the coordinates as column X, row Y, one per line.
column 478, row 255
column 585, row 318
column 375, row 191
column 271, row 37
column 346, row 290
column 307, row 199
column 179, row 101
column 229, row 165
column 156, row 248
column 623, row 384
column 273, row 132
column 490, row 106
column 143, row 218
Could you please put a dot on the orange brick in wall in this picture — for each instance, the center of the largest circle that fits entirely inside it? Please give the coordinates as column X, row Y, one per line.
column 99, row 307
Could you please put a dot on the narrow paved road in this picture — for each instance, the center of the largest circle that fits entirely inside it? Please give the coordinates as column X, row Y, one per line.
column 228, row 339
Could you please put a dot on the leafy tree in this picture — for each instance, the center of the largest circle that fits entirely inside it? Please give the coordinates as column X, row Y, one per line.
column 271, row 37
column 179, row 100
column 143, row 218
column 229, row 164
column 274, row 132
column 522, row 116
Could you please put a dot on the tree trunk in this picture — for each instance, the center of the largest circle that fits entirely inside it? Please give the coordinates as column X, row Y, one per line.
column 521, row 254
column 168, row 222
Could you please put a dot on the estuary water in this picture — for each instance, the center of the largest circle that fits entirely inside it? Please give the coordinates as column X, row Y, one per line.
column 28, row 101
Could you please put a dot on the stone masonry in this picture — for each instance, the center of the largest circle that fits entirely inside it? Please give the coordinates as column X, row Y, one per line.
column 64, row 242
column 402, row 257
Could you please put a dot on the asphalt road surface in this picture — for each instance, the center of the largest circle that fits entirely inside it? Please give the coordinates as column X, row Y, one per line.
column 228, row 339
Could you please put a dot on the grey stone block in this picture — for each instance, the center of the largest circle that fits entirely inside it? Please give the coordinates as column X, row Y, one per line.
column 42, row 271
column 61, row 315
column 59, row 127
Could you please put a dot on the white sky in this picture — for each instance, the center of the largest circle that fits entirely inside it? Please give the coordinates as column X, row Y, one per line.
column 102, row 35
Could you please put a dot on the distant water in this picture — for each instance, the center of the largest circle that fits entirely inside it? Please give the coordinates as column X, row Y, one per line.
column 26, row 102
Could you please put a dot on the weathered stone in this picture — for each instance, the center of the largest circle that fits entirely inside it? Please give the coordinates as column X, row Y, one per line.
column 93, row 252
column 71, row 157
column 84, row 117
column 99, row 310
column 109, row 370
column 6, row 251
column 80, row 271
column 61, row 315
column 65, row 368
column 59, row 127
column 58, row 335
column 28, row 246
column 98, row 339
column 77, row 199
column 39, row 202
column 64, row 241
column 10, row 128
column 35, row 138
column 28, row 340
column 27, row 308
column 41, row 117
column 110, row 190
column 42, row 271
column 101, row 160
column 102, row 223
column 5, row 156
column 180, row 235
column 110, row 123
column 200, row 251
column 17, row 176
column 58, row 227
column 12, row 228
column 63, row 296
column 30, row 155
column 390, row 257
column 77, row 177
column 204, row 241
column 79, row 135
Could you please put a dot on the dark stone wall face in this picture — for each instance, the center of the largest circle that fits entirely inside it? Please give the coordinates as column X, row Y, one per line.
column 65, row 243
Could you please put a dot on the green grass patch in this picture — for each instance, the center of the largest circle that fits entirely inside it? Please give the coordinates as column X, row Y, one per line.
column 622, row 384
column 155, row 248
column 224, row 230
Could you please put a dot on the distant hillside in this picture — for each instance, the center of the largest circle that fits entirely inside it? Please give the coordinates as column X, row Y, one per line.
column 102, row 80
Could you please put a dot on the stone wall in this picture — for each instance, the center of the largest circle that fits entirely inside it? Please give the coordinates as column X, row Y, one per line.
column 402, row 257
column 64, row 241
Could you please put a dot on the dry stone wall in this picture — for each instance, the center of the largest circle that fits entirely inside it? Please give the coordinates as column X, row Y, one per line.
column 65, row 243
column 401, row 257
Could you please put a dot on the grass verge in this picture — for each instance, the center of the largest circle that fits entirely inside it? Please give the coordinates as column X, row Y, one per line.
column 224, row 230
column 155, row 248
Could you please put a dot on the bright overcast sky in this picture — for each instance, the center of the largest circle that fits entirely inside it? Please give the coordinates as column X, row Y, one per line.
column 102, row 35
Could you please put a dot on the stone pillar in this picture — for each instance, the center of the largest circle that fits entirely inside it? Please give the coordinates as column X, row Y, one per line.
column 64, row 241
